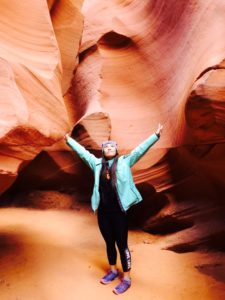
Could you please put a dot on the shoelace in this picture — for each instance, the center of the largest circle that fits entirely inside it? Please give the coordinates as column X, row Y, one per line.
column 123, row 284
column 110, row 274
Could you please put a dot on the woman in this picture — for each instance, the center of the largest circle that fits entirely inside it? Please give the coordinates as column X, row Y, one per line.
column 114, row 193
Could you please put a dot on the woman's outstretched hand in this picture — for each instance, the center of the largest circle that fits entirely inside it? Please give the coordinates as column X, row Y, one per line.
column 159, row 129
column 66, row 136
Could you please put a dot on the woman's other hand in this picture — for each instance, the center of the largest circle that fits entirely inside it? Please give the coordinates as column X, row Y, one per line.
column 159, row 129
column 66, row 136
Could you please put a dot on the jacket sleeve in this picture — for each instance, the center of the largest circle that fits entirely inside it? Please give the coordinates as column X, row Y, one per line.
column 84, row 154
column 141, row 149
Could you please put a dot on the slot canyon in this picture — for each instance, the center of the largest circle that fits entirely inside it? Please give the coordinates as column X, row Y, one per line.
column 112, row 70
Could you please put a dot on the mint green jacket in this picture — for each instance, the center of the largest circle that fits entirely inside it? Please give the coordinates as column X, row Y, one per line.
column 126, row 189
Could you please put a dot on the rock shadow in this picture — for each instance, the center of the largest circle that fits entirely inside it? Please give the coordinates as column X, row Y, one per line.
column 212, row 242
column 214, row 270
column 151, row 204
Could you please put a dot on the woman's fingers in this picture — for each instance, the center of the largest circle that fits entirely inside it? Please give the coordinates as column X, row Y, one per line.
column 66, row 136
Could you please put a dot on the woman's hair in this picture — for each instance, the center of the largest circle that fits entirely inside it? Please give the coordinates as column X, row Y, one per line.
column 111, row 171
column 106, row 171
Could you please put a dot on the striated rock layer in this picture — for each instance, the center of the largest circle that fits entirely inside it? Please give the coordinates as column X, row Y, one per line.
column 32, row 61
column 115, row 69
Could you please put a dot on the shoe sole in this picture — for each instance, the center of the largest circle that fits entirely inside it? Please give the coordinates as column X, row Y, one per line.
column 103, row 282
column 115, row 292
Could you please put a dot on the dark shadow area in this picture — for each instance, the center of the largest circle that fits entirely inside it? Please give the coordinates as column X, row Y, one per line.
column 13, row 258
column 87, row 52
column 183, row 248
column 216, row 271
column 10, row 243
column 151, row 204
column 88, row 135
column 167, row 224
column 201, row 115
column 80, row 134
column 114, row 40
column 43, row 174
column 213, row 242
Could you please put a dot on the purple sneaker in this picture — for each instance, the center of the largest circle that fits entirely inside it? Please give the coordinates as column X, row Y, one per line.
column 122, row 287
column 110, row 276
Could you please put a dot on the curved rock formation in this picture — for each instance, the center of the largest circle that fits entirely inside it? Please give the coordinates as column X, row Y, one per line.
column 129, row 66
column 33, row 112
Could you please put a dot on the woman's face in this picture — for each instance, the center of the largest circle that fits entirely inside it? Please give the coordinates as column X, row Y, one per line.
column 109, row 151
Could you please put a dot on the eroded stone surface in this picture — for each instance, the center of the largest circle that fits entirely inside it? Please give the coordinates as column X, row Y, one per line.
column 129, row 66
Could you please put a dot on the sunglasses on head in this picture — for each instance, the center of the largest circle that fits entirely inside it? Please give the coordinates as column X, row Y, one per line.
column 105, row 143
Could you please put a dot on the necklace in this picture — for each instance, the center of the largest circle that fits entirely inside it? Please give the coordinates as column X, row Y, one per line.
column 107, row 174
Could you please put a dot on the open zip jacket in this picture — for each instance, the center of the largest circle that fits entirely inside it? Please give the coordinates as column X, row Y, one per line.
column 126, row 189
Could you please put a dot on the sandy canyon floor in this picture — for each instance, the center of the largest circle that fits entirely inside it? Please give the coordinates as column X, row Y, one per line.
column 60, row 255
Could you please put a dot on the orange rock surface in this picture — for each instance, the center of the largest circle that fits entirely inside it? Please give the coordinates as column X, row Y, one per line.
column 115, row 69
column 112, row 70
column 32, row 59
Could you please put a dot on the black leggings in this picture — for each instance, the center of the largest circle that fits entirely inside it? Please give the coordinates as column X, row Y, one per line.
column 114, row 229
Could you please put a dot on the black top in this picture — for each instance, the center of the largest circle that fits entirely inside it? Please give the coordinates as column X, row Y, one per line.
column 108, row 194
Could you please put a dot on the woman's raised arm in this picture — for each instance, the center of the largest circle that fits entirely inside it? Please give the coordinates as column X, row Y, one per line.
column 83, row 153
column 142, row 148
